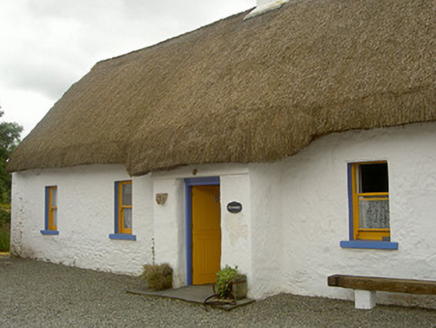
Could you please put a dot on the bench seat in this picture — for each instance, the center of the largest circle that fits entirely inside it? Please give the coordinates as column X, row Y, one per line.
column 365, row 287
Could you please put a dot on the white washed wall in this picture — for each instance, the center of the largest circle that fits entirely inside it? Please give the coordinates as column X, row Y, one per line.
column 266, row 235
column 236, row 248
column 314, row 216
column 170, row 221
column 287, row 237
column 85, row 218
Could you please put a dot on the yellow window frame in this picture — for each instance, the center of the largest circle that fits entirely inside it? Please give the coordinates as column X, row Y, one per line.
column 122, row 208
column 359, row 233
column 51, row 209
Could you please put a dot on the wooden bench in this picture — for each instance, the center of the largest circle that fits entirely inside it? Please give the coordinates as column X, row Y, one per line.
column 365, row 287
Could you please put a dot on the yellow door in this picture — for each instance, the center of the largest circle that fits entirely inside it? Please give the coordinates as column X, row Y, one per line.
column 206, row 234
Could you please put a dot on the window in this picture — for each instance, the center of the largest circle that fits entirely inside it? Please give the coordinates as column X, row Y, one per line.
column 370, row 201
column 51, row 211
column 125, row 207
column 369, row 206
column 123, row 211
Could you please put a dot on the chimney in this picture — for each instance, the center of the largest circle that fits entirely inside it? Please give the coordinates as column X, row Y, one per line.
column 264, row 6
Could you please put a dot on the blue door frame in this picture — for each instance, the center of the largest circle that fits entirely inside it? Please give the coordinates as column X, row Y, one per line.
column 209, row 181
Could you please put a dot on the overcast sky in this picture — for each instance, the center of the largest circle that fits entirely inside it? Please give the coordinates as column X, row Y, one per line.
column 46, row 45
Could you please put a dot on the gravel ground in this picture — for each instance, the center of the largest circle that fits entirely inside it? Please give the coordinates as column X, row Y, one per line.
column 39, row 294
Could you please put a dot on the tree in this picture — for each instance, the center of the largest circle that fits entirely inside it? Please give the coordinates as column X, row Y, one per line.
column 9, row 139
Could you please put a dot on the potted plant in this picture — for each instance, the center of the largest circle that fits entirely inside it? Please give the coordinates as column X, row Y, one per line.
column 158, row 276
column 231, row 284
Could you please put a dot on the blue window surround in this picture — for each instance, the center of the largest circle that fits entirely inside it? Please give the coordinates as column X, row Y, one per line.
column 116, row 235
column 46, row 231
column 363, row 244
column 122, row 236
column 208, row 181
column 49, row 232
column 369, row 244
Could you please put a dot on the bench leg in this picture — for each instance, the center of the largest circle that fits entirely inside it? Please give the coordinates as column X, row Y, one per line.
column 364, row 299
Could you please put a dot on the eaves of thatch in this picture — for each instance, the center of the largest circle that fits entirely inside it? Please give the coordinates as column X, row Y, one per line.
column 246, row 91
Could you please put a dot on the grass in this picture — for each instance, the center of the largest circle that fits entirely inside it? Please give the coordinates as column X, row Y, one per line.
column 5, row 237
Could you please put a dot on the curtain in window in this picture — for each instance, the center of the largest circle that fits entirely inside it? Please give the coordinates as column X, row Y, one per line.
column 374, row 212
column 127, row 218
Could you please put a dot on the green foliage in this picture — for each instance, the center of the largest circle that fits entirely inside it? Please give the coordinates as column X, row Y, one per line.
column 4, row 238
column 9, row 139
column 158, row 276
column 5, row 208
column 224, row 281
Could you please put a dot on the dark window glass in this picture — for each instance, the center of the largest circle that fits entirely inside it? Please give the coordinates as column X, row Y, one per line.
column 374, row 177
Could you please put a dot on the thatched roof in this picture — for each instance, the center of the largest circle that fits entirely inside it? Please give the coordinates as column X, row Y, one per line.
column 247, row 91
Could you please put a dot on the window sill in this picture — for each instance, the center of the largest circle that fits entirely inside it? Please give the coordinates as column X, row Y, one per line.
column 369, row 244
column 122, row 236
column 49, row 232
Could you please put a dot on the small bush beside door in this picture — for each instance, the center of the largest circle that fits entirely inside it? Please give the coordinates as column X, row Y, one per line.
column 158, row 276
column 231, row 284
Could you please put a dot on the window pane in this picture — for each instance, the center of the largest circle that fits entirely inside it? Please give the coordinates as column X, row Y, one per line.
column 374, row 177
column 55, row 217
column 54, row 197
column 127, row 218
column 127, row 194
column 374, row 212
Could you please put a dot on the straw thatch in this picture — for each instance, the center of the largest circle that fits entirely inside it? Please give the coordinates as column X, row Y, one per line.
column 246, row 91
